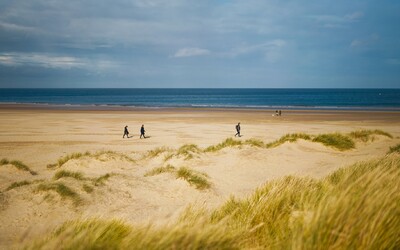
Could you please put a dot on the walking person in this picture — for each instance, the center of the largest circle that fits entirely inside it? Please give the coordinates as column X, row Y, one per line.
column 126, row 132
column 237, row 130
column 142, row 132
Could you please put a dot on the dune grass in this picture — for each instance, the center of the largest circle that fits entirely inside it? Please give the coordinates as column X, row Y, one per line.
column 288, row 138
column 156, row 152
column 18, row 164
column 61, row 189
column 395, row 149
column 353, row 208
column 335, row 140
column 100, row 180
column 18, row 184
column 229, row 142
column 164, row 169
column 88, row 189
column 65, row 173
column 188, row 151
column 255, row 143
column 74, row 156
column 195, row 178
column 368, row 135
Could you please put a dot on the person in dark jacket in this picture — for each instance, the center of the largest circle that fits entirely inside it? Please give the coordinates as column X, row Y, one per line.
column 142, row 132
column 126, row 132
column 238, row 130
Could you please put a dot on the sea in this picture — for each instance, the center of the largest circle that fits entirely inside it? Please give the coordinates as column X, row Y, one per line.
column 319, row 99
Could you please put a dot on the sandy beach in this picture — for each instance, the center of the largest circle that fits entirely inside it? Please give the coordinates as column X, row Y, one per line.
column 39, row 136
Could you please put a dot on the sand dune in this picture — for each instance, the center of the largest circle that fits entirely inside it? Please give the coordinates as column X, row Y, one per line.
column 112, row 180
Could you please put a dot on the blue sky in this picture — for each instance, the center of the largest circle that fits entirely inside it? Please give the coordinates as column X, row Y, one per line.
column 220, row 43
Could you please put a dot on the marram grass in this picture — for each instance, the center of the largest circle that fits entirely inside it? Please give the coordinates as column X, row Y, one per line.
column 164, row 169
column 395, row 149
column 65, row 174
column 195, row 178
column 74, row 156
column 61, row 189
column 368, row 135
column 18, row 164
column 353, row 208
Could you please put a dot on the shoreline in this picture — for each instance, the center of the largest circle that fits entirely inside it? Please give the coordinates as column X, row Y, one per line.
column 109, row 107
column 259, row 115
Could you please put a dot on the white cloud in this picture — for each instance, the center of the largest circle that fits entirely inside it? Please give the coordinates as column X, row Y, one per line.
column 186, row 52
column 355, row 16
column 372, row 39
column 53, row 61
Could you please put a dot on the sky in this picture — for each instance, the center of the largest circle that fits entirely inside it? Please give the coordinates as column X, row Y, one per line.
column 199, row 44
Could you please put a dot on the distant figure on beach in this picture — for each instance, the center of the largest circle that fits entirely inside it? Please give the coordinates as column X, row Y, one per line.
column 276, row 113
column 126, row 132
column 237, row 130
column 142, row 132
column 280, row 112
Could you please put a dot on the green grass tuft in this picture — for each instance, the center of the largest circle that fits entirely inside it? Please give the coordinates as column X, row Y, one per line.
column 64, row 173
column 61, row 189
column 18, row 184
column 156, row 152
column 288, row 138
column 368, row 135
column 255, row 143
column 188, row 151
column 72, row 156
column 167, row 169
column 197, row 179
column 18, row 164
column 395, row 149
column 335, row 140
column 87, row 188
column 100, row 180
column 230, row 142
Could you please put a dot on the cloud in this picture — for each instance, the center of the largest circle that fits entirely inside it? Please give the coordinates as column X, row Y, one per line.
column 53, row 61
column 337, row 21
column 355, row 16
column 187, row 52
column 372, row 39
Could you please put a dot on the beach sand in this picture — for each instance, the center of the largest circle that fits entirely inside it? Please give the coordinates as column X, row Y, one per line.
column 40, row 135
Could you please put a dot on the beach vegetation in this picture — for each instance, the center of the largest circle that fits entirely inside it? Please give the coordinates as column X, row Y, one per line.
column 156, row 152
column 18, row 184
column 18, row 164
column 368, row 135
column 395, row 149
column 61, row 189
column 164, row 169
column 100, row 180
column 188, row 151
column 255, row 143
column 112, row 154
column 335, row 140
column 72, row 156
column 168, row 156
column 195, row 178
column 88, row 189
column 288, row 138
column 355, row 207
column 229, row 142
column 65, row 173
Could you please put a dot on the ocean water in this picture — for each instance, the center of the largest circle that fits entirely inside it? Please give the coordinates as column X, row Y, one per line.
column 353, row 99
